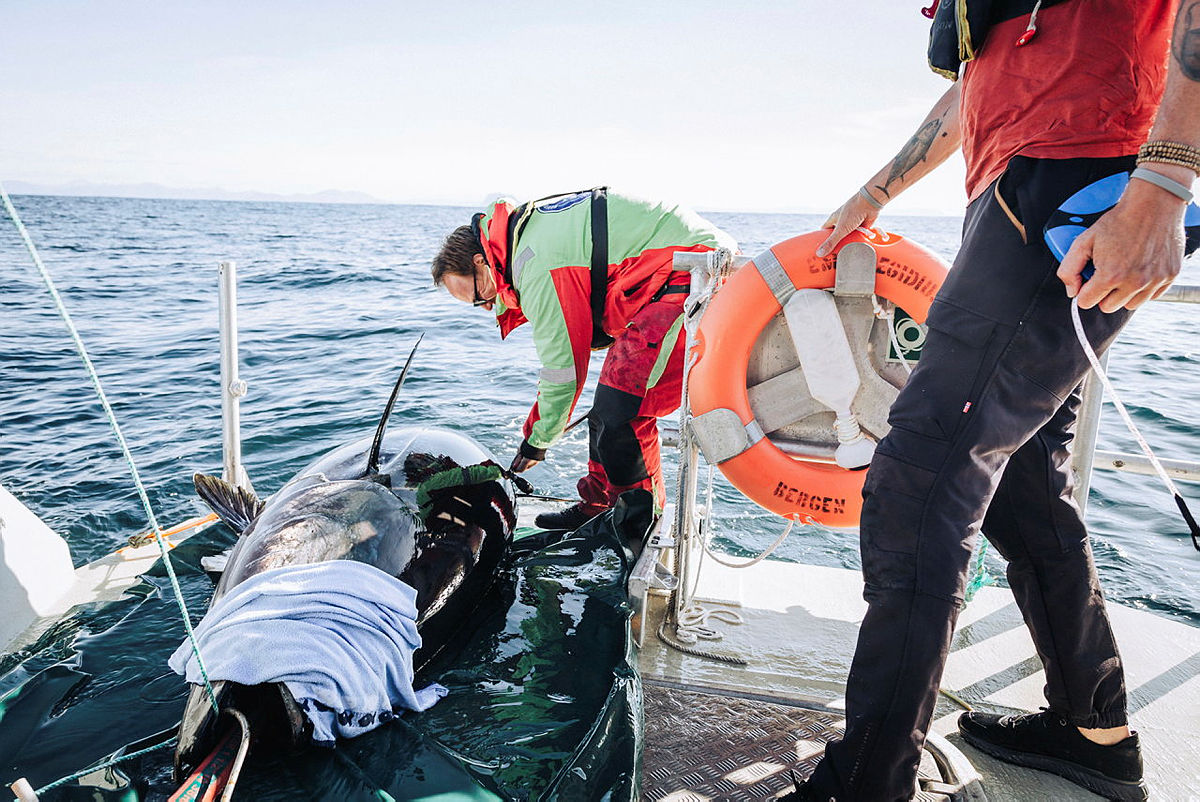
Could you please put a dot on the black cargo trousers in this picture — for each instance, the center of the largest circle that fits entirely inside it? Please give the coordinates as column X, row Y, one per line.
column 981, row 437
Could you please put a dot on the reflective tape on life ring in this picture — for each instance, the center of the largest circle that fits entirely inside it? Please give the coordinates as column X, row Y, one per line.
column 906, row 274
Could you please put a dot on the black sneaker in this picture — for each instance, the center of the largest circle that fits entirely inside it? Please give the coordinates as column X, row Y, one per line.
column 571, row 518
column 1049, row 742
column 802, row 792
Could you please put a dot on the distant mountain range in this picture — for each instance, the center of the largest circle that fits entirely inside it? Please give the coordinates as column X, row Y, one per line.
column 89, row 188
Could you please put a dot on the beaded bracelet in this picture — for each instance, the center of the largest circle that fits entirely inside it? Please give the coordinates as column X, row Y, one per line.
column 1175, row 153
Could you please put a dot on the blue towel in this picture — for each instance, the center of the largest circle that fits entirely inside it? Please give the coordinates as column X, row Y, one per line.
column 340, row 634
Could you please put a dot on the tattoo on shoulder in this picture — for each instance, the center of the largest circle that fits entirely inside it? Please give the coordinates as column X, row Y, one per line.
column 915, row 150
column 1185, row 41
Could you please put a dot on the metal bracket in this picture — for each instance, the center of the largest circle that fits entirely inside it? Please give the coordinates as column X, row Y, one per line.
column 721, row 434
column 855, row 270
column 650, row 574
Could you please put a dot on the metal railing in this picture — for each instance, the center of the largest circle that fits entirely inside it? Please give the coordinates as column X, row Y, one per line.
column 233, row 388
column 679, row 537
column 1085, row 458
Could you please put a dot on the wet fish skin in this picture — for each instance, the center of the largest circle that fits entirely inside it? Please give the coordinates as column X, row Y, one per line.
column 330, row 511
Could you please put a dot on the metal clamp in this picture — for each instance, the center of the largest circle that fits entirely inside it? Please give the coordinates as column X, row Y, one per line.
column 855, row 270
column 721, row 435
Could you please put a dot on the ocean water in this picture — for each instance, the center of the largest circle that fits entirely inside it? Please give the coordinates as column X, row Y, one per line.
column 331, row 299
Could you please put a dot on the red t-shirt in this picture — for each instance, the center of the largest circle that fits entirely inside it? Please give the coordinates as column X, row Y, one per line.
column 1087, row 85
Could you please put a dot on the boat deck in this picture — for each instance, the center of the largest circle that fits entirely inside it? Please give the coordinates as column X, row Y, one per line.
column 716, row 731
column 799, row 628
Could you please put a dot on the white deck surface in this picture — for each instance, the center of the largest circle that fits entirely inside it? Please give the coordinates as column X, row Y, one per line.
column 801, row 624
column 106, row 579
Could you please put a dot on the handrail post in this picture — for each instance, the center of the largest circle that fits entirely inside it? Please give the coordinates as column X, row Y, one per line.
column 232, row 387
column 1083, row 451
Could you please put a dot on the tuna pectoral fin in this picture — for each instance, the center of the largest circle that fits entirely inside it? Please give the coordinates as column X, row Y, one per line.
column 237, row 507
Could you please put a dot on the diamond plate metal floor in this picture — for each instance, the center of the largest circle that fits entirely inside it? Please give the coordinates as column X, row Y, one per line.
column 705, row 747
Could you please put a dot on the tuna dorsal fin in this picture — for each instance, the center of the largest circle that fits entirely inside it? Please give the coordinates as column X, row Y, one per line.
column 237, row 507
column 377, row 443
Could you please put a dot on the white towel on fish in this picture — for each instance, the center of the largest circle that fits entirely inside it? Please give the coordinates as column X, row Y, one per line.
column 340, row 634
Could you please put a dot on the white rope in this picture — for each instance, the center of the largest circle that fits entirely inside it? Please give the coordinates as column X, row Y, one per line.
column 755, row 561
column 847, row 428
column 1112, row 394
column 890, row 317
column 693, row 624
column 716, row 557
column 112, row 420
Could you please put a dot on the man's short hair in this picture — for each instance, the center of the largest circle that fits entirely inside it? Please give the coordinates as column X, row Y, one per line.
column 456, row 255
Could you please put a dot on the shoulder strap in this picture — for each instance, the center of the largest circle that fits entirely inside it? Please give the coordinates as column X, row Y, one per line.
column 959, row 28
column 516, row 223
column 599, row 271
column 599, row 265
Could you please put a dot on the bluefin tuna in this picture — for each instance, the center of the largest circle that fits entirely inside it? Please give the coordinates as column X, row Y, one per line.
column 426, row 505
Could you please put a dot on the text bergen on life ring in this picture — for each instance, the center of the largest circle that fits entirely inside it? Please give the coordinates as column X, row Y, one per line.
column 906, row 274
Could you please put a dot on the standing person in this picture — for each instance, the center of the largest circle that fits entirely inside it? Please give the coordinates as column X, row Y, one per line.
column 588, row 269
column 981, row 434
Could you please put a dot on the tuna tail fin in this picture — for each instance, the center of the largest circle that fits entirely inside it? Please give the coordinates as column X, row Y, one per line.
column 237, row 507
column 377, row 443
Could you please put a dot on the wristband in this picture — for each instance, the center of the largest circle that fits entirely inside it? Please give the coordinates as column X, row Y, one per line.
column 870, row 199
column 531, row 452
column 1159, row 180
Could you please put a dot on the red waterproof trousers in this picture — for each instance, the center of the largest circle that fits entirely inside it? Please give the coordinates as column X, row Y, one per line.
column 642, row 380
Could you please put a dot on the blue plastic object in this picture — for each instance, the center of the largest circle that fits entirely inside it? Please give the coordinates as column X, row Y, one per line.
column 1087, row 205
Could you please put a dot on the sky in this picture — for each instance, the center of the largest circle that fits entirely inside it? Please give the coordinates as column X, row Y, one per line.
column 771, row 107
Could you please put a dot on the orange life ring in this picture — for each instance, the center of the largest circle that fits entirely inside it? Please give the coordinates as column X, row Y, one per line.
column 906, row 274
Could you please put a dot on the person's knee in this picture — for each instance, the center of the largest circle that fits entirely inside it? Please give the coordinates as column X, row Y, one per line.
column 614, row 439
column 613, row 408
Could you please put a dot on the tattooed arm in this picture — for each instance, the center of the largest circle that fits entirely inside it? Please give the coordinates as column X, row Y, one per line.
column 1137, row 247
column 934, row 142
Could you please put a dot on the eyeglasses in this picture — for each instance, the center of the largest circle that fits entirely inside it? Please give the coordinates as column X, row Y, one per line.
column 479, row 299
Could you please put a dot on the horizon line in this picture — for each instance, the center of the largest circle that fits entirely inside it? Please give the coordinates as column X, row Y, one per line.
column 305, row 198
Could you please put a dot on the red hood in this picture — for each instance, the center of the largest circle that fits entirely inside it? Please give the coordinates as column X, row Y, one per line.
column 493, row 236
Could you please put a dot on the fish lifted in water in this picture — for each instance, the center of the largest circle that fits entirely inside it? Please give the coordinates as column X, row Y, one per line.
column 427, row 506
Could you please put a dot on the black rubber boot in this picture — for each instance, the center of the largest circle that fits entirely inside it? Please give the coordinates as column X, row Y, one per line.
column 571, row 518
column 1047, row 741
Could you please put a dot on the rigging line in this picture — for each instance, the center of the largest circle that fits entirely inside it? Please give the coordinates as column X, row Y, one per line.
column 688, row 457
column 107, row 764
column 112, row 420
column 1137, row 435
column 715, row 557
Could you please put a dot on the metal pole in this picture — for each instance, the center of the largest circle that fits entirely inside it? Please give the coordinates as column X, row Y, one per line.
column 1181, row 293
column 232, row 387
column 684, row 531
column 706, row 270
column 1083, row 452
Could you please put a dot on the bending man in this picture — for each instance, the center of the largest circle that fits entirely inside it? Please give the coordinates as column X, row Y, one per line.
column 545, row 262
column 981, row 434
